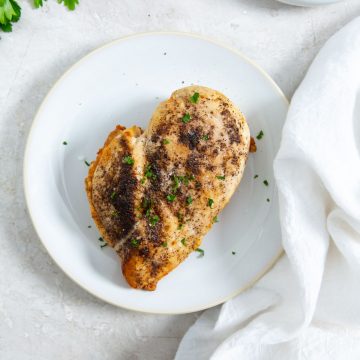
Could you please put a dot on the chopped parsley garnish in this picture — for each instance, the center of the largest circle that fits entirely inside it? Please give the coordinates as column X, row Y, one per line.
column 180, row 226
column 177, row 179
column 268, row 200
column 103, row 245
column 89, row 226
column 205, row 137
column 128, row 160
column 86, row 163
column 260, row 135
column 256, row 176
column 198, row 185
column 215, row 219
column 266, row 183
column 113, row 194
column 221, row 177
column 189, row 200
column 134, row 243
column 149, row 173
column 186, row 118
column 65, row 143
column 233, row 252
column 201, row 251
column 154, row 220
column 171, row 197
column 166, row 141
column 164, row 244
column 194, row 99
column 210, row 202
column 101, row 239
column 183, row 241
column 176, row 182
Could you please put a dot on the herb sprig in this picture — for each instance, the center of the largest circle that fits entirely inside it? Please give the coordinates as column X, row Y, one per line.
column 10, row 11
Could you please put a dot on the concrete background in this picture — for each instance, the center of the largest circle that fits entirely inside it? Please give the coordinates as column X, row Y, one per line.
column 43, row 314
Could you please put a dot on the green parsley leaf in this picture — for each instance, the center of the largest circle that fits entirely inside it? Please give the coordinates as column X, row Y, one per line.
column 215, row 219
column 194, row 99
column 183, row 241
column 113, row 195
column 260, row 135
column 134, row 243
column 176, row 182
column 189, row 200
column 70, row 4
column 128, row 160
column 149, row 173
column 10, row 12
column 164, row 244
column 186, row 118
column 268, row 200
column 166, row 141
column 171, row 197
column 221, row 177
column 233, row 252
column 201, row 251
column 180, row 226
column 86, row 163
column 101, row 239
column 65, row 143
column 38, row 3
column 103, row 245
column 256, row 176
column 210, row 202
column 205, row 137
column 266, row 183
column 154, row 220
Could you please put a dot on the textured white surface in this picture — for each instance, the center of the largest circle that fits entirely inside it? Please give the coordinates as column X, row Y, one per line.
column 43, row 315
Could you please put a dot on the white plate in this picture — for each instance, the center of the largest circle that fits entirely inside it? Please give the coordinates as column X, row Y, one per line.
column 309, row 2
column 122, row 83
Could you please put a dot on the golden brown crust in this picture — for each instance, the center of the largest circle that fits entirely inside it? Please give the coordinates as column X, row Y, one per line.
column 184, row 169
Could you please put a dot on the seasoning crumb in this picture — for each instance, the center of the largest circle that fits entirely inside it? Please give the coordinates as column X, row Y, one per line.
column 253, row 146
column 256, row 176
column 86, row 163
column 89, row 226
column 266, row 183
column 165, row 53
column 268, row 200
column 233, row 252
column 65, row 143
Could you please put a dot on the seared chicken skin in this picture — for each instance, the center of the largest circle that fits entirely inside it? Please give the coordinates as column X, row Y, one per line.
column 154, row 194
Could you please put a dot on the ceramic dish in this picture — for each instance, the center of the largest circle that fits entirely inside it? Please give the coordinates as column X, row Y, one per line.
column 122, row 83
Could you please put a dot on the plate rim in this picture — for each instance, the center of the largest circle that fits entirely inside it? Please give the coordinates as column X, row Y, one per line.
column 35, row 120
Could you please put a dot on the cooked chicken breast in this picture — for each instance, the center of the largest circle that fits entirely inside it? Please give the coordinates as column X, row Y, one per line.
column 154, row 194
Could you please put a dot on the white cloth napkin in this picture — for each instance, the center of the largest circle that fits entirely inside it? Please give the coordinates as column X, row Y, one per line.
column 308, row 306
